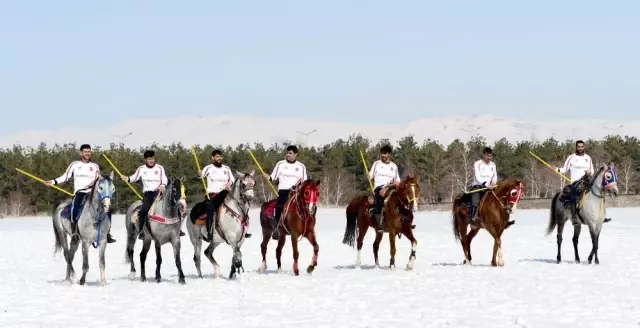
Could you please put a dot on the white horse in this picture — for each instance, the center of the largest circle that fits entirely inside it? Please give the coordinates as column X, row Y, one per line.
column 231, row 219
column 591, row 210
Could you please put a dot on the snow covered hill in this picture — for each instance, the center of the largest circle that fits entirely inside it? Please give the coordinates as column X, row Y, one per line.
column 233, row 130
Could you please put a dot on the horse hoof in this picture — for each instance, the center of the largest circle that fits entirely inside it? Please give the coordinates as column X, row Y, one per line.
column 132, row 275
column 181, row 281
column 310, row 269
column 81, row 282
column 158, row 280
column 103, row 283
column 143, row 279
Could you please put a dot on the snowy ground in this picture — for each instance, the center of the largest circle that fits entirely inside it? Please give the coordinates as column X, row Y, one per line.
column 530, row 291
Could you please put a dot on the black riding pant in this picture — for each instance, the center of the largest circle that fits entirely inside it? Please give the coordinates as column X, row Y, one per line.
column 378, row 200
column 283, row 196
column 212, row 206
column 78, row 198
column 147, row 199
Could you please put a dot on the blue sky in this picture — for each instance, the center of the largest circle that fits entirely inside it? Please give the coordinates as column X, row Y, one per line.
column 67, row 62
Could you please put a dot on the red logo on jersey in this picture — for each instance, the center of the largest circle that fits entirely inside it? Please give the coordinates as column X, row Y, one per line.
column 297, row 169
column 155, row 172
column 91, row 169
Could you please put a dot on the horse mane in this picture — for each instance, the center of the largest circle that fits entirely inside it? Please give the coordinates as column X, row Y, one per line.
column 168, row 201
column 95, row 185
column 506, row 185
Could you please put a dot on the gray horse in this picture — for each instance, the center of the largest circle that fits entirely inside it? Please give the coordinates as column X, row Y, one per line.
column 92, row 226
column 162, row 226
column 591, row 210
column 229, row 227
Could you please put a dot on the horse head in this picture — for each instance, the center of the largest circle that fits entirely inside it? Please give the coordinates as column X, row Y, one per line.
column 245, row 182
column 105, row 190
column 509, row 191
column 308, row 193
column 410, row 189
column 606, row 175
column 176, row 195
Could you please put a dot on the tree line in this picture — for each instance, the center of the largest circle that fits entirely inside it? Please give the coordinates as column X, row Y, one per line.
column 443, row 170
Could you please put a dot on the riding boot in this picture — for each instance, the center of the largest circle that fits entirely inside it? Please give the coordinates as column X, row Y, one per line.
column 276, row 232
column 574, row 215
column 607, row 220
column 181, row 233
column 247, row 235
column 472, row 216
column 209, row 237
column 143, row 220
column 110, row 238
column 378, row 218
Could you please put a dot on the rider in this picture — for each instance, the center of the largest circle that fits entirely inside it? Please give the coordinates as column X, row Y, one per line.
column 219, row 179
column 85, row 173
column 286, row 174
column 383, row 172
column 154, row 181
column 578, row 164
column 485, row 177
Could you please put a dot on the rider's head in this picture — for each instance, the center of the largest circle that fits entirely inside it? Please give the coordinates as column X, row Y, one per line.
column 487, row 154
column 292, row 153
column 216, row 157
column 85, row 152
column 150, row 158
column 579, row 147
column 385, row 152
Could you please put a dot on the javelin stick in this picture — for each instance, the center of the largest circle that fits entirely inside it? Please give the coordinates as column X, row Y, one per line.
column 261, row 170
column 366, row 170
column 43, row 182
column 121, row 176
column 195, row 158
column 549, row 166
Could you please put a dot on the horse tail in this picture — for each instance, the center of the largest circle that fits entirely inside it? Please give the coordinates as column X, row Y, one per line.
column 454, row 218
column 59, row 238
column 552, row 215
column 352, row 221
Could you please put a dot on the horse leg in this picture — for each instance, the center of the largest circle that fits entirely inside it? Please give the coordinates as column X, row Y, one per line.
column 576, row 236
column 158, row 259
column 101, row 263
column 311, row 237
column 595, row 235
column 281, row 242
column 467, row 244
column 408, row 232
column 236, row 263
column 197, row 249
column 363, row 227
column 376, row 247
column 176, row 255
column 208, row 252
column 266, row 236
column 497, row 259
column 85, row 262
column 296, row 254
column 71, row 253
column 392, row 248
column 559, row 240
column 146, row 245
column 131, row 243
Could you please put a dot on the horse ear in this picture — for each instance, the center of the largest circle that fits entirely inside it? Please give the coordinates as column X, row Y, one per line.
column 111, row 175
column 252, row 172
column 317, row 182
column 238, row 173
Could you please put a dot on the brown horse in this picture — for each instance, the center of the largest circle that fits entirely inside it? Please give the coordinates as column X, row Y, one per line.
column 493, row 215
column 397, row 219
column 298, row 219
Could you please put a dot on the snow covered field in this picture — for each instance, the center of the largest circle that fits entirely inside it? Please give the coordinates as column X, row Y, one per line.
column 530, row 291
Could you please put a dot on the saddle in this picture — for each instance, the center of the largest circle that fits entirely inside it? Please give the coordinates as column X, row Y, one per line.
column 67, row 210
column 385, row 192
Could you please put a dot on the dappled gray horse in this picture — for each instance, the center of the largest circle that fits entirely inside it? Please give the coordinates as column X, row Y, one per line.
column 591, row 210
column 162, row 226
column 231, row 222
column 92, row 226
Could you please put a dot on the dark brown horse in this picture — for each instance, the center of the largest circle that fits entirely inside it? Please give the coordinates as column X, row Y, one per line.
column 397, row 219
column 493, row 215
column 298, row 219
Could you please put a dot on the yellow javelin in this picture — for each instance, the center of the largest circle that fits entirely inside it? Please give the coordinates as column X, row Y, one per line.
column 366, row 170
column 41, row 180
column 195, row 158
column 261, row 170
column 121, row 176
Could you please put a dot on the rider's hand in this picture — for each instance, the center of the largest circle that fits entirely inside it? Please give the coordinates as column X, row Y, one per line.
column 266, row 176
column 49, row 182
column 161, row 188
column 227, row 185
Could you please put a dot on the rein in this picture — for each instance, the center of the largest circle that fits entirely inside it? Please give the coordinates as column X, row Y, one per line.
column 243, row 216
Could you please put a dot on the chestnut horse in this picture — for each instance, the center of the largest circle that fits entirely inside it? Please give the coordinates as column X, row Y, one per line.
column 397, row 219
column 493, row 215
column 298, row 219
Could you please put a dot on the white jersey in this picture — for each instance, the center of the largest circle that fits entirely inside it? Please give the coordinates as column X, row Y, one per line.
column 484, row 172
column 577, row 165
column 382, row 173
column 84, row 174
column 288, row 174
column 217, row 177
column 151, row 177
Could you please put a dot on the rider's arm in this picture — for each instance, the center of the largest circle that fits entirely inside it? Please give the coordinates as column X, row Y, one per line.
column 274, row 174
column 163, row 177
column 567, row 165
column 372, row 172
column 136, row 176
column 476, row 171
column 67, row 174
